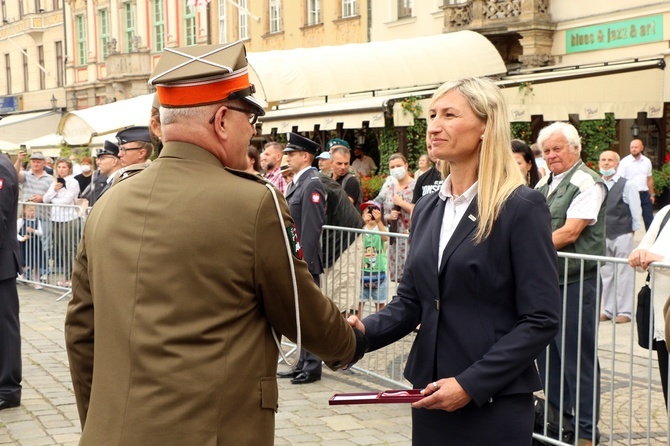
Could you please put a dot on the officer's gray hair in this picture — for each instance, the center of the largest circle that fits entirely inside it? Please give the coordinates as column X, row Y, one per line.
column 172, row 115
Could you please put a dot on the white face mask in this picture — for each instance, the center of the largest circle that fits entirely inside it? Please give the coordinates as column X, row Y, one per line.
column 85, row 168
column 607, row 172
column 398, row 173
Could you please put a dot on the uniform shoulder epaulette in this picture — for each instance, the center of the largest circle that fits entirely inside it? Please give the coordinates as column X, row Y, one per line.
column 247, row 175
column 127, row 172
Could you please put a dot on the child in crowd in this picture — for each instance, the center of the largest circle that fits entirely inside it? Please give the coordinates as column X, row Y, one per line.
column 373, row 287
column 29, row 234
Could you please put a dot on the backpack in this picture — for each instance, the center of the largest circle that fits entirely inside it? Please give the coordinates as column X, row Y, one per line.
column 340, row 211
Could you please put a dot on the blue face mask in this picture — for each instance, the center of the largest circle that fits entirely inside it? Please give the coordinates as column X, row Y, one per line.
column 607, row 172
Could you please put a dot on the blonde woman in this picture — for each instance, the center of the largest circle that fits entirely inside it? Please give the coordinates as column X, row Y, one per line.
column 484, row 318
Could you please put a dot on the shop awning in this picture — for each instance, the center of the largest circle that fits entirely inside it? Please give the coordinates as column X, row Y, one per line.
column 21, row 127
column 79, row 127
column 351, row 84
column 623, row 89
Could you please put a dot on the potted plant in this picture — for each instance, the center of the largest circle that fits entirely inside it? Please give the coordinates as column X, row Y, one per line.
column 662, row 182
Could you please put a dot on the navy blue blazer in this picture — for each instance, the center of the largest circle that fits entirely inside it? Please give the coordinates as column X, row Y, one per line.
column 9, row 197
column 490, row 309
column 307, row 205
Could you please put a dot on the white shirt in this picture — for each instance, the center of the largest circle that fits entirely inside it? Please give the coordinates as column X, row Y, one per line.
column 64, row 199
column 454, row 209
column 364, row 166
column 636, row 170
column 586, row 205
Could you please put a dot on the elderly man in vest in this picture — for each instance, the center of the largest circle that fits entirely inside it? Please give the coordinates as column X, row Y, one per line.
column 576, row 197
column 624, row 217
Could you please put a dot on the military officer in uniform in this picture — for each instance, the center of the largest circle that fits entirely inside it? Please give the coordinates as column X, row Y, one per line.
column 109, row 163
column 135, row 150
column 185, row 273
column 306, row 202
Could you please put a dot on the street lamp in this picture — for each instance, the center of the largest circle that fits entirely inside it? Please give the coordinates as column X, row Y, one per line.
column 635, row 130
column 53, row 101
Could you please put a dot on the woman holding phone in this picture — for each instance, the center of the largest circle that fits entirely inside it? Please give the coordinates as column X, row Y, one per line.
column 64, row 219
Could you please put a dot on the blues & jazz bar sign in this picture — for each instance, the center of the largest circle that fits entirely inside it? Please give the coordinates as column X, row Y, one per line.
column 615, row 34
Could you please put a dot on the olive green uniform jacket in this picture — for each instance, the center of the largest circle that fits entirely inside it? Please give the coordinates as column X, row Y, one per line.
column 180, row 275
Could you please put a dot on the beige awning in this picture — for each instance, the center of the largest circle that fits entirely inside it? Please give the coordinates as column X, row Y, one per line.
column 79, row 127
column 287, row 75
column 622, row 89
column 21, row 127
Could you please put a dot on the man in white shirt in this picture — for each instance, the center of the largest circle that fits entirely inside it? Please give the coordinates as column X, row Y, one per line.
column 363, row 164
column 624, row 217
column 637, row 168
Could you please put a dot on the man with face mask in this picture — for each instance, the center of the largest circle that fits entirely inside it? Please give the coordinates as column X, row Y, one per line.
column 623, row 218
column 84, row 178
column 363, row 164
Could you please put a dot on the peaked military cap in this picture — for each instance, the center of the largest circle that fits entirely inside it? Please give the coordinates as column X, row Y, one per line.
column 108, row 149
column 139, row 133
column 204, row 74
column 295, row 142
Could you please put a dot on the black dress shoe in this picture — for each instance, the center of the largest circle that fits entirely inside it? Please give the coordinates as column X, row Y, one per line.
column 305, row 378
column 6, row 404
column 292, row 373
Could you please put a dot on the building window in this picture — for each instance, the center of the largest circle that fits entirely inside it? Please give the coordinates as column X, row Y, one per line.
column 129, row 16
column 40, row 60
column 3, row 8
column 80, row 32
column 26, row 80
column 275, row 16
column 405, row 8
column 8, row 74
column 38, row 7
column 103, row 17
column 159, row 25
column 348, row 8
column 223, row 23
column 243, row 20
column 313, row 12
column 21, row 12
column 189, row 25
column 60, row 71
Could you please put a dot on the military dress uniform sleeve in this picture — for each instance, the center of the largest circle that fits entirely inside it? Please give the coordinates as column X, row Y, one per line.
column 79, row 332
column 311, row 223
column 324, row 331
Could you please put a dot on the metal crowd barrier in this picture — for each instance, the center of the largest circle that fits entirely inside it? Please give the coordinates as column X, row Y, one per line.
column 48, row 237
column 631, row 411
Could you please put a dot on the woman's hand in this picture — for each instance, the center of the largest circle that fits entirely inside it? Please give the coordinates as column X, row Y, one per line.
column 398, row 200
column 445, row 394
column 393, row 215
column 641, row 258
column 58, row 186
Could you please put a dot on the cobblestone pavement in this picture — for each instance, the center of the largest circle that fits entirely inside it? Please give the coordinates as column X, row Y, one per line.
column 48, row 414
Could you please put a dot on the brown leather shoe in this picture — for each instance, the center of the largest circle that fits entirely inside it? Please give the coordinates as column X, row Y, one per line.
column 621, row 319
column 584, row 442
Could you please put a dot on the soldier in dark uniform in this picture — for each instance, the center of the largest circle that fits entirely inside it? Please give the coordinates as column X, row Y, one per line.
column 109, row 163
column 306, row 202
column 181, row 349
column 10, row 336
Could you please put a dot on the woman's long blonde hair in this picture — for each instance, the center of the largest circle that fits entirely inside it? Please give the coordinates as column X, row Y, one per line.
column 498, row 174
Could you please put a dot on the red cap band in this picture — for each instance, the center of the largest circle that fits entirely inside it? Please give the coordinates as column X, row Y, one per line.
column 203, row 93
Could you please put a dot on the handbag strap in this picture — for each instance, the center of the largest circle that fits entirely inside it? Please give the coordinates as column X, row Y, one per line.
column 666, row 217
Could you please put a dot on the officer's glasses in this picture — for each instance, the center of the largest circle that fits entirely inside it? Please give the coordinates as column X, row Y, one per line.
column 123, row 150
column 251, row 116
